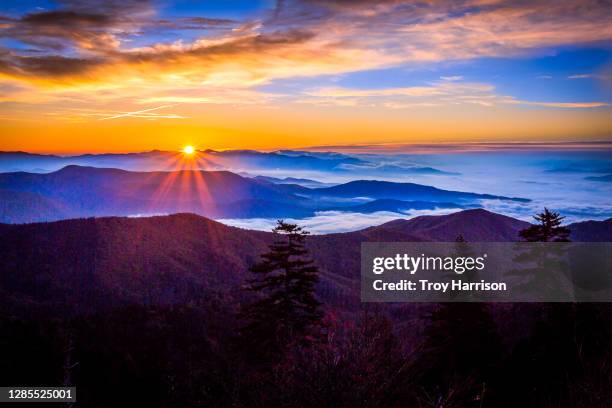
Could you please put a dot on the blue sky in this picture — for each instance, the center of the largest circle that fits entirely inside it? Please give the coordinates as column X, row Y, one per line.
column 566, row 75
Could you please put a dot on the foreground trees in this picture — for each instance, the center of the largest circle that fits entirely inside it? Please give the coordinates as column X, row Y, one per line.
column 547, row 229
column 386, row 355
column 461, row 350
column 566, row 359
column 284, row 281
column 537, row 260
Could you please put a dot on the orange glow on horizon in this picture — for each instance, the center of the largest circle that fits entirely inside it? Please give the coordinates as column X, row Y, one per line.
column 291, row 127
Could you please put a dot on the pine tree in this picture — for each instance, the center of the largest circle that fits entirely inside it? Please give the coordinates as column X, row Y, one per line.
column 540, row 260
column 461, row 347
column 548, row 228
column 462, row 249
column 567, row 349
column 285, row 281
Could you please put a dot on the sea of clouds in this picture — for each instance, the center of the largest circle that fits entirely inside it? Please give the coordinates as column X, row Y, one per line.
column 558, row 180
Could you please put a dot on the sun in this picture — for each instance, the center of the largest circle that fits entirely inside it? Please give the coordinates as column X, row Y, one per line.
column 189, row 150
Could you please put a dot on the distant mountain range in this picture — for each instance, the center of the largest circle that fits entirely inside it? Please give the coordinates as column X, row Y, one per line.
column 401, row 191
column 293, row 180
column 76, row 191
column 86, row 265
column 233, row 160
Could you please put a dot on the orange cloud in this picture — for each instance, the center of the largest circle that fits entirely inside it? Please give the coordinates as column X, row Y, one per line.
column 333, row 38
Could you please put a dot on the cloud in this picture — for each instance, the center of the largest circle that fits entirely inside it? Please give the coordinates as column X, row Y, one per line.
column 563, row 105
column 92, row 27
column 323, row 223
column 211, row 95
column 338, row 92
column 441, row 93
column 327, row 222
column 581, row 76
column 451, row 78
column 114, row 47
column 53, row 65
column 195, row 23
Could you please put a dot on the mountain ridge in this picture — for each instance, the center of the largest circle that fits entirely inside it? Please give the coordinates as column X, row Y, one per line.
column 83, row 191
column 233, row 160
column 87, row 265
column 395, row 190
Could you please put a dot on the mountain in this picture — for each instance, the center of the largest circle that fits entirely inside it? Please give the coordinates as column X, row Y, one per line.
column 22, row 207
column 393, row 169
column 41, row 163
column 402, row 191
column 76, row 191
column 287, row 161
column 292, row 180
column 84, row 265
column 592, row 231
column 251, row 159
column 476, row 225
column 165, row 160
column 96, row 263
column 366, row 165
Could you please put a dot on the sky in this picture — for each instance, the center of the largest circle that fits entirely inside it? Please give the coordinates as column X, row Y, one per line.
column 136, row 75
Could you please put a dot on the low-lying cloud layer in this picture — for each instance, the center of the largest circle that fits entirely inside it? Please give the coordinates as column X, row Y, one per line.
column 329, row 222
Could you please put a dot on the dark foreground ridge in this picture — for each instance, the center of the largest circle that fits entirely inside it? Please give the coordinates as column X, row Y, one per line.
column 82, row 265
column 149, row 307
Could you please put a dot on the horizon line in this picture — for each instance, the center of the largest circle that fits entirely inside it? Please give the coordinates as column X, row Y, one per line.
column 389, row 148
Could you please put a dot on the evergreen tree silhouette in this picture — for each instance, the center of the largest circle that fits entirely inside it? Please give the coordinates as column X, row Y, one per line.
column 567, row 349
column 285, row 282
column 461, row 347
column 547, row 229
column 461, row 249
column 544, row 265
